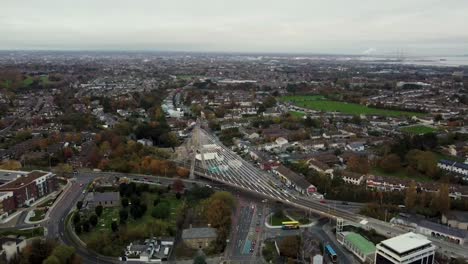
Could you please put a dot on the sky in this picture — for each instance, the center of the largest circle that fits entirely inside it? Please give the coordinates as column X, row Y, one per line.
column 413, row 27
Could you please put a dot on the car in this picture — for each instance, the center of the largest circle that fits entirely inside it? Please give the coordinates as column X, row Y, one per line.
column 257, row 229
column 323, row 201
column 344, row 203
column 81, row 185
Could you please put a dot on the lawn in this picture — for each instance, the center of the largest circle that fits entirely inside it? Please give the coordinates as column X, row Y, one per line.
column 44, row 80
column 418, row 129
column 402, row 174
column 319, row 103
column 39, row 214
column 28, row 233
column 297, row 114
column 277, row 221
column 46, row 203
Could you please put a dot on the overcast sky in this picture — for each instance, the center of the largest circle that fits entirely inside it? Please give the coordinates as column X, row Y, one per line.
column 416, row 27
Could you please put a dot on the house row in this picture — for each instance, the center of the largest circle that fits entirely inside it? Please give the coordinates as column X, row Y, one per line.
column 454, row 167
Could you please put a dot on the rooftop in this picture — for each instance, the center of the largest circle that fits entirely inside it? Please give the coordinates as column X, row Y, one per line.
column 406, row 242
column 364, row 245
column 200, row 232
column 23, row 180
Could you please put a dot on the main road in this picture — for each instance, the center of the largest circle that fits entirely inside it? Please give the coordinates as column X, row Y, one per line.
column 218, row 163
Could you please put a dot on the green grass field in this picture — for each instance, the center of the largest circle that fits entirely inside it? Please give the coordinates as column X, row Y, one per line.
column 297, row 114
column 402, row 174
column 44, row 80
column 39, row 214
column 418, row 129
column 275, row 221
column 28, row 233
column 318, row 102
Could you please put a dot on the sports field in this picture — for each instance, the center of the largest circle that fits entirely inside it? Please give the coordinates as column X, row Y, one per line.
column 318, row 102
column 418, row 129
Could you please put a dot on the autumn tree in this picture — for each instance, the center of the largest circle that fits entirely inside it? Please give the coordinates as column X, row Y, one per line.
column 443, row 199
column 390, row 163
column 358, row 164
column 10, row 165
column 178, row 186
column 289, row 246
column 410, row 198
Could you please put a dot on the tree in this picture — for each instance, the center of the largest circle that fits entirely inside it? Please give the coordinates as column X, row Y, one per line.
column 63, row 253
column 411, row 193
column 270, row 101
column 114, row 226
column 78, row 228
column 358, row 164
column 98, row 210
column 76, row 219
column 39, row 250
column 93, row 220
column 85, row 225
column 79, row 205
column 178, row 186
column 199, row 260
column 52, row 260
column 390, row 163
column 443, row 199
column 10, row 165
column 289, row 246
column 124, row 202
column 161, row 211
column 63, row 169
column 123, row 215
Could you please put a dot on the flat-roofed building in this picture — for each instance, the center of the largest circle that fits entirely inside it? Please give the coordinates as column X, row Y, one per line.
column 362, row 248
column 29, row 187
column 408, row 248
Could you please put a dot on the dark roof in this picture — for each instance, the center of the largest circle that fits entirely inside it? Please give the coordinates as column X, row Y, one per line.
column 200, row 232
column 23, row 180
column 350, row 174
column 295, row 178
column 106, row 196
column 454, row 164
column 420, row 221
column 460, row 216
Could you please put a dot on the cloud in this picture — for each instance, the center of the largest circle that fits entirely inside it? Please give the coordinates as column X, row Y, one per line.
column 369, row 51
column 314, row 26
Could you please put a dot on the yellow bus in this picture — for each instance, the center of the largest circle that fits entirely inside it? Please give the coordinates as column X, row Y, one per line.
column 290, row 225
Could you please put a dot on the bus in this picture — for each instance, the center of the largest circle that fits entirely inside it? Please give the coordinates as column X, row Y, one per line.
column 290, row 225
column 331, row 253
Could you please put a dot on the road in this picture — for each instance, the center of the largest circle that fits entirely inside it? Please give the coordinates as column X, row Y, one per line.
column 223, row 165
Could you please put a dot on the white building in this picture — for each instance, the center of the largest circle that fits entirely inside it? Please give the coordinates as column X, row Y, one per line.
column 406, row 248
column 455, row 167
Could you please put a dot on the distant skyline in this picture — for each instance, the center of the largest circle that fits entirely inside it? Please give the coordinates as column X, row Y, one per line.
column 367, row 27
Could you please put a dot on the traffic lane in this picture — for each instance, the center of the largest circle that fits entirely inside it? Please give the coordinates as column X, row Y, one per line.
column 319, row 230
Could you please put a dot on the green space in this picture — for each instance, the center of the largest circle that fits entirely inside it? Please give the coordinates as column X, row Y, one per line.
column 28, row 233
column 401, row 173
column 418, row 129
column 297, row 114
column 318, row 102
column 140, row 227
column 148, row 211
column 277, row 219
column 44, row 80
column 46, row 203
column 39, row 214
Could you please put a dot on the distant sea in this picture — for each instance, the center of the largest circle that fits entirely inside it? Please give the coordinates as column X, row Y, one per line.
column 452, row 61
